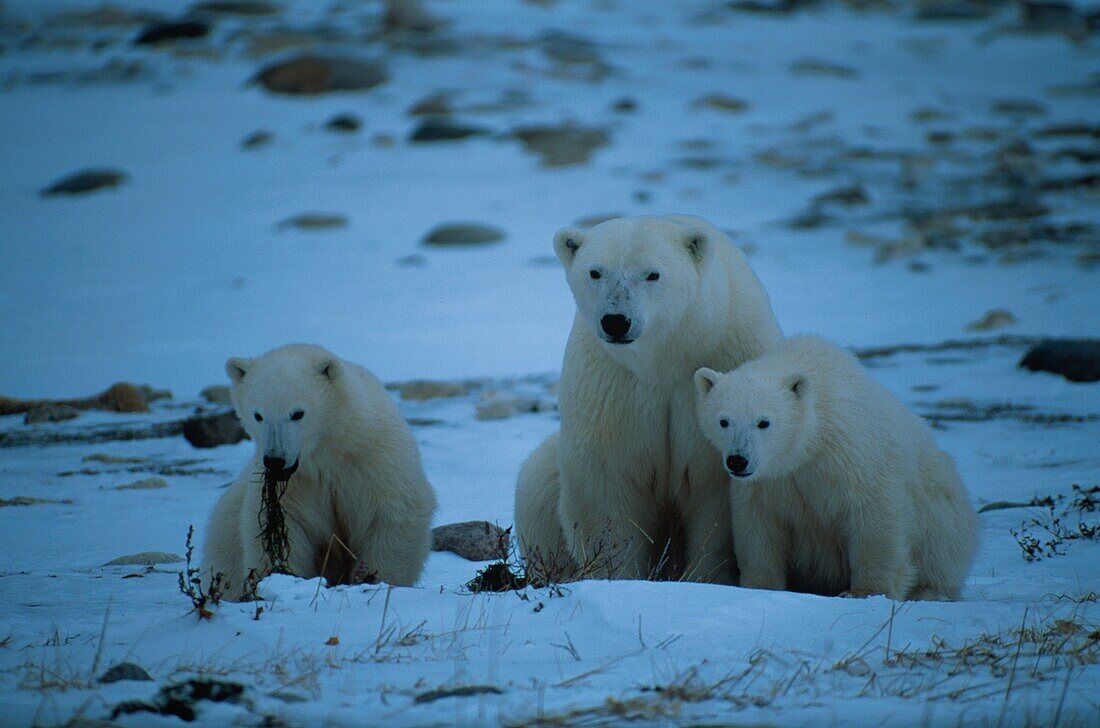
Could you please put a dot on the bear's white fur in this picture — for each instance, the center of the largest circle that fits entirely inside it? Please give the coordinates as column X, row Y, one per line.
column 837, row 487
column 358, row 474
column 630, row 465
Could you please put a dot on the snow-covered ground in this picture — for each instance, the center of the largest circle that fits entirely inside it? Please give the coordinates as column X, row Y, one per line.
column 186, row 264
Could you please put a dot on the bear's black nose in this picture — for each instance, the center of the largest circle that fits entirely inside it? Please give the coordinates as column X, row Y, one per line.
column 277, row 465
column 615, row 325
column 736, row 464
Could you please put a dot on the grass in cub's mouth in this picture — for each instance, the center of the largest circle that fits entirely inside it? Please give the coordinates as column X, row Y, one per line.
column 273, row 533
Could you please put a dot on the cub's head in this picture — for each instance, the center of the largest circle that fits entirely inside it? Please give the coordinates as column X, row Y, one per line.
column 284, row 400
column 759, row 420
column 633, row 279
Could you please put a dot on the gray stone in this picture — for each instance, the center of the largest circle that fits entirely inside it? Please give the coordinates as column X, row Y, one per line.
column 473, row 540
column 50, row 413
column 125, row 671
column 563, row 145
column 257, row 139
column 144, row 484
column 311, row 75
column 146, row 558
column 211, row 430
column 314, row 221
column 721, row 102
column 463, row 234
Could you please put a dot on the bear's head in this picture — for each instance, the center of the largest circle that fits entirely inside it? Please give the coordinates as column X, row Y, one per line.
column 284, row 400
column 634, row 279
column 761, row 421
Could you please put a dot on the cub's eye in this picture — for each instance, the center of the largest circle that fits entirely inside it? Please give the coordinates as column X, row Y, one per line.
column 594, row 275
column 724, row 423
column 259, row 417
column 297, row 415
column 763, row 424
column 653, row 276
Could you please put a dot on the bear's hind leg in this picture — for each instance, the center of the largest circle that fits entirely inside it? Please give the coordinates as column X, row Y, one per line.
column 538, row 523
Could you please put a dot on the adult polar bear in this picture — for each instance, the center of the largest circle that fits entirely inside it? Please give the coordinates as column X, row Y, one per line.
column 657, row 297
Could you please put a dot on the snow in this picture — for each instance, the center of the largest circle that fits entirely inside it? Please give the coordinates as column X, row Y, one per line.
column 184, row 265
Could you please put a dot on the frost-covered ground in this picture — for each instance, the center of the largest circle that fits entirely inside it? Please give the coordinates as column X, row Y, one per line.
column 893, row 178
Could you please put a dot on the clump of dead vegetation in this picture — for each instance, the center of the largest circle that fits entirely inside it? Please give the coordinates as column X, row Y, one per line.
column 273, row 533
column 203, row 594
column 1076, row 518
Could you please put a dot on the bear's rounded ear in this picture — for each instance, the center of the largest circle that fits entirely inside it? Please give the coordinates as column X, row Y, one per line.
column 698, row 245
column 329, row 369
column 567, row 242
column 797, row 383
column 236, row 368
column 705, row 380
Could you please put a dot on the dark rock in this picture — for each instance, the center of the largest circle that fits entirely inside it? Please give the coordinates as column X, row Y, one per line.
column 435, row 105
column 310, row 75
column 257, row 139
column 88, row 180
column 848, row 196
column 409, row 16
column 952, row 9
column 564, row 145
column 1078, row 360
column 721, row 102
column 211, row 430
column 125, row 671
column 1047, row 16
column 50, row 413
column 314, row 221
column 625, row 105
column 158, row 33
column 444, row 130
column 240, row 8
column 345, row 123
column 473, row 540
column 771, row 7
column 820, row 67
column 463, row 234
column 572, row 49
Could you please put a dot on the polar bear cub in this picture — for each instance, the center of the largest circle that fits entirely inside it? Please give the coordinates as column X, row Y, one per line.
column 836, row 486
column 355, row 501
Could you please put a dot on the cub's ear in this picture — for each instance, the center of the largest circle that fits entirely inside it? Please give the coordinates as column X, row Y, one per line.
column 329, row 369
column 236, row 368
column 698, row 245
column 798, row 384
column 705, row 380
column 567, row 242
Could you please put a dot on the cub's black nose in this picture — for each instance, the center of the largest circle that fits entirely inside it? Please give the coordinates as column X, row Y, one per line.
column 277, row 465
column 615, row 325
column 736, row 464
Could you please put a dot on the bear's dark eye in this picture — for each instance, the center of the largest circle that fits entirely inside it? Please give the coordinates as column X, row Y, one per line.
column 259, row 417
column 724, row 423
column 653, row 276
column 763, row 424
column 594, row 275
column 297, row 415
